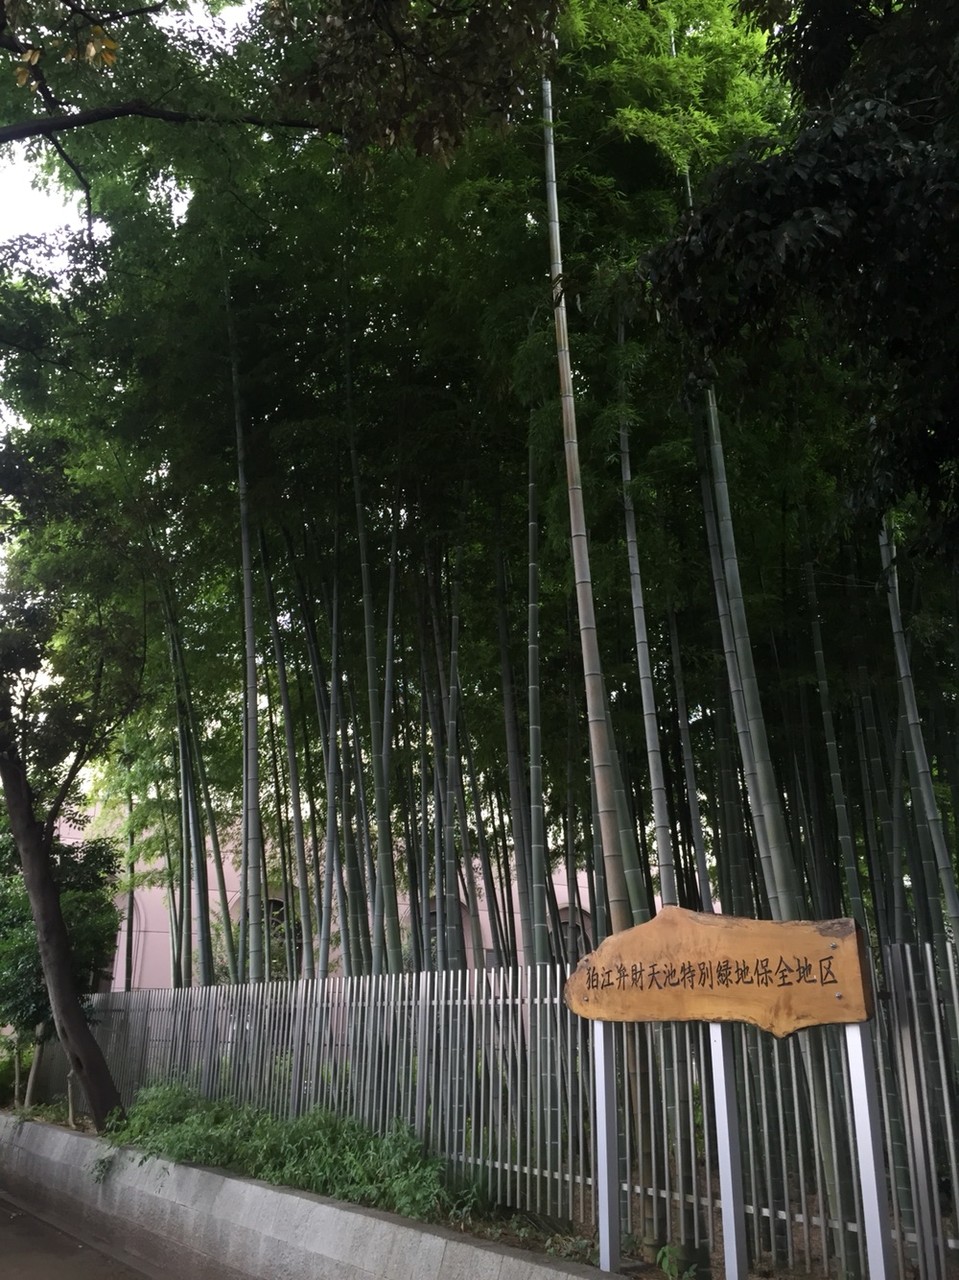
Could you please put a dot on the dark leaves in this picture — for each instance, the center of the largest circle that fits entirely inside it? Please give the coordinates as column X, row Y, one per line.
column 854, row 218
column 814, row 43
column 390, row 72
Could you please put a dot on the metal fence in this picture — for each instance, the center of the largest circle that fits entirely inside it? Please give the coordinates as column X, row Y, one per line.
column 496, row 1076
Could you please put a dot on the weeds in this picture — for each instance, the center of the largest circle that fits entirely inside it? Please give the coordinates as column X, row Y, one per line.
column 668, row 1262
column 528, row 1232
column 55, row 1112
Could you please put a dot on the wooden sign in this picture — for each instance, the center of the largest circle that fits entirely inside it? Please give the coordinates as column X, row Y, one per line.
column 687, row 966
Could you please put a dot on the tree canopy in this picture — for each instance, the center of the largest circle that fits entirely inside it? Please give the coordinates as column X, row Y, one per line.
column 848, row 226
column 86, row 879
column 285, row 492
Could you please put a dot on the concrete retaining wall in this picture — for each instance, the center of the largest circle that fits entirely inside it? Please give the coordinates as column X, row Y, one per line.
column 181, row 1222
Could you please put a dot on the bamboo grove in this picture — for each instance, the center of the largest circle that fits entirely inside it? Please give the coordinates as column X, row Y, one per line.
column 285, row 449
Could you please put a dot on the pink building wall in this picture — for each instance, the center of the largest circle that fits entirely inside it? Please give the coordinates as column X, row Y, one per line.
column 151, row 962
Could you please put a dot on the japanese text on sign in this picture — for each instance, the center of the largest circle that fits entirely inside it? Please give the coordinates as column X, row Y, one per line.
column 712, row 975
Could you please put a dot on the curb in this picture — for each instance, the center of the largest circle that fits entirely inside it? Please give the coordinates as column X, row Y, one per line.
column 198, row 1224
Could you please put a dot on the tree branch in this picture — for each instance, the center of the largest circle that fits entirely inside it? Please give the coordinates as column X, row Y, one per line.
column 13, row 44
column 79, row 759
column 47, row 126
column 79, row 175
column 121, row 15
column 116, row 15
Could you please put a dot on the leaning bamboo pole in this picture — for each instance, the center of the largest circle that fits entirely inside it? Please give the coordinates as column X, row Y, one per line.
column 926, row 793
column 654, row 755
column 784, row 896
column 603, row 765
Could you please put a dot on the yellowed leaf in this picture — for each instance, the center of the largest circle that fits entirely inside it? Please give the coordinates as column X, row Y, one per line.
column 34, row 57
column 23, row 75
column 91, row 50
column 109, row 58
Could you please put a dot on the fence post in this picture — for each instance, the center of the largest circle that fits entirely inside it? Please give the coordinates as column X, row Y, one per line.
column 422, row 1053
column 919, row 1140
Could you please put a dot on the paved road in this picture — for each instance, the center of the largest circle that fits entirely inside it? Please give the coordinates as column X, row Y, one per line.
column 31, row 1250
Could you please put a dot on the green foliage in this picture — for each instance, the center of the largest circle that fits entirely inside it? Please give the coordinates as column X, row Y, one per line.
column 401, row 309
column 85, row 875
column 668, row 1261
column 318, row 1152
column 685, row 78
column 438, row 272
column 814, row 42
column 847, row 224
column 9, row 1049
column 57, row 1111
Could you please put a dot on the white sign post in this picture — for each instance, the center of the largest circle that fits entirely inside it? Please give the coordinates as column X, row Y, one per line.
column 607, row 1144
column 728, row 1151
column 872, row 1179
column 685, row 966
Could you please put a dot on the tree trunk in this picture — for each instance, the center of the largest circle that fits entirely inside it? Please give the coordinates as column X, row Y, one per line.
column 84, row 1055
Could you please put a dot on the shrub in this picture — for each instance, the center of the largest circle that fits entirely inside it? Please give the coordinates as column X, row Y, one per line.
column 318, row 1152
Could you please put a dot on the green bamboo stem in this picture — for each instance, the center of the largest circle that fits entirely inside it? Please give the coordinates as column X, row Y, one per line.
column 782, row 889
column 603, row 769
column 844, row 828
column 252, row 840
column 925, row 791
column 536, row 821
column 689, row 769
column 654, row 755
column 305, row 911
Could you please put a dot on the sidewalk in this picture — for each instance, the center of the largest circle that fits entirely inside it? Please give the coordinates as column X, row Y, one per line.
column 31, row 1250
